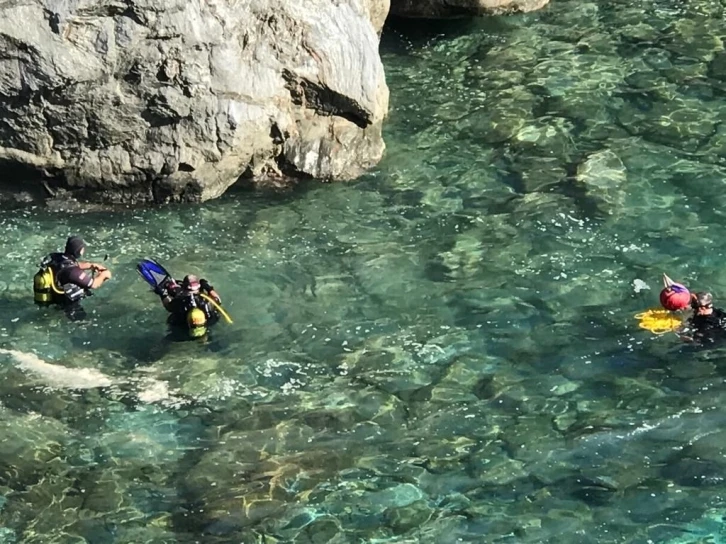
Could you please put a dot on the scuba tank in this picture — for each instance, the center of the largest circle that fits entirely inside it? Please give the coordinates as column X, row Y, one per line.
column 196, row 319
column 43, row 283
column 46, row 290
column 196, row 322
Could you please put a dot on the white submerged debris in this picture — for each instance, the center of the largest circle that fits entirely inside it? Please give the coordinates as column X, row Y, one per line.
column 57, row 376
column 147, row 390
column 639, row 285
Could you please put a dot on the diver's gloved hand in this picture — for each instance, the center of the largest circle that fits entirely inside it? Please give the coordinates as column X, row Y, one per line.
column 161, row 291
column 167, row 288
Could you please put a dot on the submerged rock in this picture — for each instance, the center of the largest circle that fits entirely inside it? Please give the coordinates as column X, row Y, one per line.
column 502, row 121
column 30, row 448
column 604, row 175
column 683, row 124
column 454, row 8
column 176, row 101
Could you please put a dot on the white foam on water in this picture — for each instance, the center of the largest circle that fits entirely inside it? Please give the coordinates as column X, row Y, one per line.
column 59, row 376
column 148, row 390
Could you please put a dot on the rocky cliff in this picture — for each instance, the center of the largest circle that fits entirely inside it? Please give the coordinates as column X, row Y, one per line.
column 162, row 100
column 454, row 8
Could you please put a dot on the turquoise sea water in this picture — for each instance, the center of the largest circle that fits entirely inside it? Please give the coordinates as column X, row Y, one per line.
column 443, row 351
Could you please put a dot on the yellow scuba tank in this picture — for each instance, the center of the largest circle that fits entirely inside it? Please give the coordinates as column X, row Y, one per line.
column 196, row 322
column 43, row 285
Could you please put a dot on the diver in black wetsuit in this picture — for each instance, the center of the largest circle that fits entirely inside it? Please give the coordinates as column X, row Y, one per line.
column 188, row 308
column 707, row 324
column 65, row 280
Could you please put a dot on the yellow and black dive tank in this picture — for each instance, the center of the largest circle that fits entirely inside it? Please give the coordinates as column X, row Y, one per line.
column 43, row 286
column 197, row 323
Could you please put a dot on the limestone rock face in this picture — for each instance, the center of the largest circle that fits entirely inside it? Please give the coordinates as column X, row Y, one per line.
column 457, row 8
column 168, row 100
column 378, row 12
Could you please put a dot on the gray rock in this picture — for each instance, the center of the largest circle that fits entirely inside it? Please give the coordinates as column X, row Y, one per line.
column 141, row 101
column 454, row 8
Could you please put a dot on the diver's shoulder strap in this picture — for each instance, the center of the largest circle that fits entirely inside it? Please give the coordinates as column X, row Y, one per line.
column 57, row 261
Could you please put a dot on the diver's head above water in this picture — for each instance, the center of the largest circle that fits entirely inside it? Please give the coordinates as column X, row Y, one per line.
column 702, row 303
column 674, row 296
column 191, row 284
column 75, row 246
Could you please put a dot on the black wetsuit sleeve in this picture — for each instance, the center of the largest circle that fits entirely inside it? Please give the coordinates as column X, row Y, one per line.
column 76, row 276
column 176, row 306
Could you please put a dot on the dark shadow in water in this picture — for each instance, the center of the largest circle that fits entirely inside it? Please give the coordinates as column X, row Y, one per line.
column 401, row 35
column 142, row 349
column 31, row 180
column 243, row 189
column 714, row 351
column 591, row 207
column 136, row 349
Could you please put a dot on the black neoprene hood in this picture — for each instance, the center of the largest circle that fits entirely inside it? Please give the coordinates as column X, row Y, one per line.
column 74, row 245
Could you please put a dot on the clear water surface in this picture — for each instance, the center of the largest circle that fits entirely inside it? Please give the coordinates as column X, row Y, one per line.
column 443, row 351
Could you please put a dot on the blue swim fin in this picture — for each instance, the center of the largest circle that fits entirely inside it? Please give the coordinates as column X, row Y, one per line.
column 153, row 273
